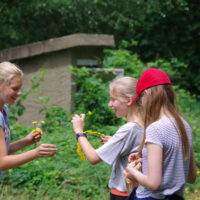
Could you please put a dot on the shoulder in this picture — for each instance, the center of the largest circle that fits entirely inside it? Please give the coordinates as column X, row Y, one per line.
column 159, row 124
column 3, row 115
column 5, row 108
column 129, row 126
column 129, row 129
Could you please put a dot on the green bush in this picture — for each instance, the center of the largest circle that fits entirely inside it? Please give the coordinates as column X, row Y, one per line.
column 91, row 97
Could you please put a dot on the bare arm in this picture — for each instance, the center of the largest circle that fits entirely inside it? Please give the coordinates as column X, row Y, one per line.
column 11, row 161
column 30, row 139
column 192, row 169
column 89, row 151
column 153, row 179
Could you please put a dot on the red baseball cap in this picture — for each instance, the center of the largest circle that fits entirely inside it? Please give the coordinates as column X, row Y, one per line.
column 149, row 78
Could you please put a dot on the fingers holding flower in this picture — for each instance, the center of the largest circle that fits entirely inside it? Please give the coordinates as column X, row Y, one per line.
column 134, row 157
column 36, row 134
column 34, row 137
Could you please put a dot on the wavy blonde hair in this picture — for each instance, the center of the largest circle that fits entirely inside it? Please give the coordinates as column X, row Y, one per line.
column 8, row 71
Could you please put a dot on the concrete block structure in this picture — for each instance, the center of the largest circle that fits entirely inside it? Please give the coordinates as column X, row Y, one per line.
column 55, row 55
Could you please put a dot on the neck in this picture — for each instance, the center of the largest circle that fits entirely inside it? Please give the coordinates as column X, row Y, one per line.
column 165, row 113
column 135, row 118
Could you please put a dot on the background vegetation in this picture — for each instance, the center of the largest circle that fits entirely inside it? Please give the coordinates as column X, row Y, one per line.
column 163, row 34
column 161, row 29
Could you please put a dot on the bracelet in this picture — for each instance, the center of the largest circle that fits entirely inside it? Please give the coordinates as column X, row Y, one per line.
column 80, row 134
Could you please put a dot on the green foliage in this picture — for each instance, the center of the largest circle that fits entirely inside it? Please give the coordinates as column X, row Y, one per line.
column 189, row 107
column 91, row 97
column 55, row 117
column 133, row 66
column 162, row 29
column 63, row 175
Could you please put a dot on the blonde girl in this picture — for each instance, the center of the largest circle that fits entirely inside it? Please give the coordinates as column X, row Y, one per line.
column 126, row 140
column 10, row 89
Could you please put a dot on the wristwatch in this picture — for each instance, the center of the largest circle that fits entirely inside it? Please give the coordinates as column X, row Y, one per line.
column 80, row 134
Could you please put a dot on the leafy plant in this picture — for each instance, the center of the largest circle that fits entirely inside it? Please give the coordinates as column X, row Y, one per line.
column 91, row 97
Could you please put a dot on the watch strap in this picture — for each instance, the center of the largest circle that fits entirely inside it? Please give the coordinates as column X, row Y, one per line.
column 80, row 134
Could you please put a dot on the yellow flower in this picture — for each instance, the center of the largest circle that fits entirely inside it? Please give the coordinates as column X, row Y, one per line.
column 187, row 191
column 89, row 113
column 95, row 133
column 80, row 152
column 37, row 125
column 36, row 130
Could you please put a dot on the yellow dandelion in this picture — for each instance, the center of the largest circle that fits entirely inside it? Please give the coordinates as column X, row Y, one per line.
column 187, row 191
column 42, row 122
column 196, row 191
column 89, row 113
column 79, row 149
column 80, row 152
column 34, row 122
column 95, row 133
column 36, row 130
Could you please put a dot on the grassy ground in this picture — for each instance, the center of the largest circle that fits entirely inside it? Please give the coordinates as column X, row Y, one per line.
column 191, row 196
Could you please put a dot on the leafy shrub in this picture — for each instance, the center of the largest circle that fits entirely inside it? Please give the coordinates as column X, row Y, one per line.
column 91, row 96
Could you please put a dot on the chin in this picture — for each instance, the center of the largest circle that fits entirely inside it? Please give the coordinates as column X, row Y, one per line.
column 11, row 101
column 118, row 116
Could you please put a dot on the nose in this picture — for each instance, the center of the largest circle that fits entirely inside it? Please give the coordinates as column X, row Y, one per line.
column 110, row 104
column 19, row 92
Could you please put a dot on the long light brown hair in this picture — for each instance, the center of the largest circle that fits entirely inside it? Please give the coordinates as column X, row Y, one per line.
column 163, row 97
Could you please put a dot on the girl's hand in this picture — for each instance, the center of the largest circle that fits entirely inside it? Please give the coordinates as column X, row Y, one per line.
column 32, row 138
column 134, row 157
column 78, row 123
column 130, row 172
column 46, row 150
column 105, row 139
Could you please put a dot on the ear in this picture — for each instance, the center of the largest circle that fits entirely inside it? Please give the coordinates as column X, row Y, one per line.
column 129, row 101
column 147, row 92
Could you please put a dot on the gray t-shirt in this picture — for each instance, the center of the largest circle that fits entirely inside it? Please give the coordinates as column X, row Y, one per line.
column 5, row 126
column 165, row 134
column 116, row 151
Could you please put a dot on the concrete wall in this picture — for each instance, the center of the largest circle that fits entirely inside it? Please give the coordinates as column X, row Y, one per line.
column 56, row 85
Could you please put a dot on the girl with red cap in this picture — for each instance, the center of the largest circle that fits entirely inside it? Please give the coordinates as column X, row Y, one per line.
column 166, row 151
column 127, row 139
